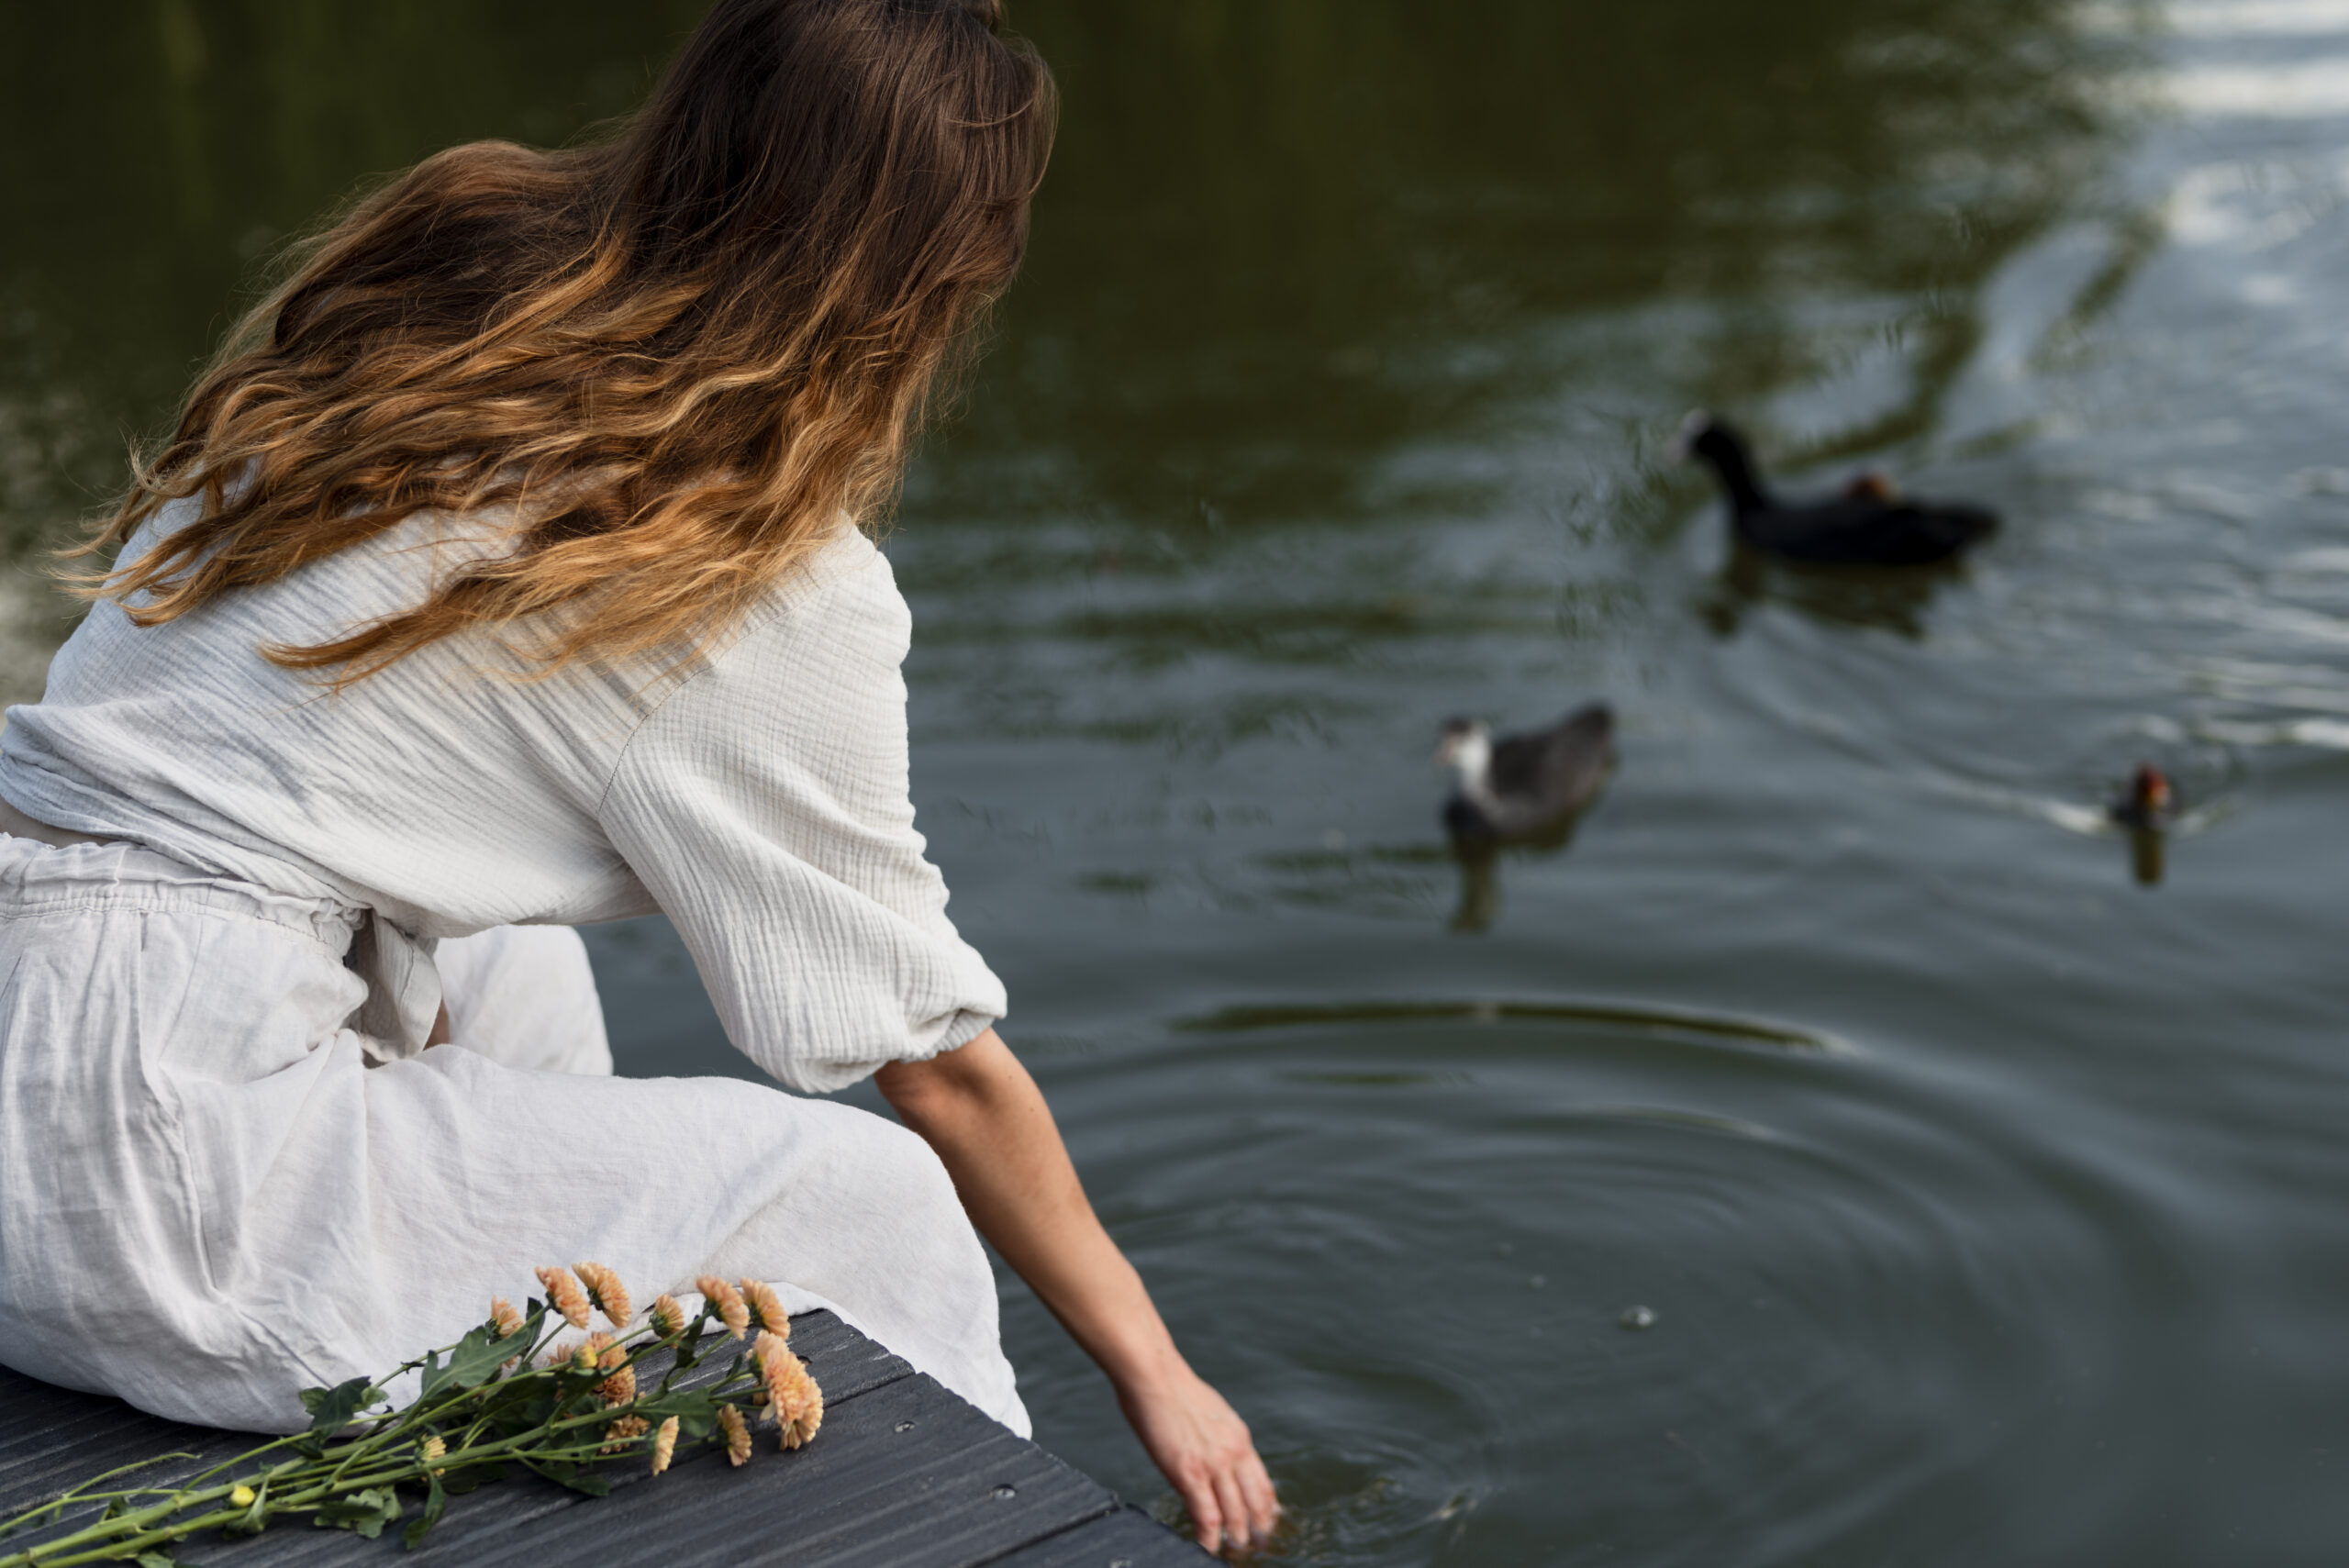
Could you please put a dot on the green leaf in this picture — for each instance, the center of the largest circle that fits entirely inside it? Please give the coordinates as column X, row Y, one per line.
column 471, row 1477
column 332, row 1410
column 697, row 1412
column 435, row 1502
column 476, row 1359
column 566, row 1474
column 154, row 1559
column 363, row 1513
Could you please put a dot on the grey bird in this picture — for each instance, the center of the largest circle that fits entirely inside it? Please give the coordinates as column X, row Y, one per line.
column 1527, row 787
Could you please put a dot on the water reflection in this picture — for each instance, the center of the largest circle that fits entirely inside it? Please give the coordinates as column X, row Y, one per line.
column 1480, row 878
column 1891, row 599
column 1289, row 240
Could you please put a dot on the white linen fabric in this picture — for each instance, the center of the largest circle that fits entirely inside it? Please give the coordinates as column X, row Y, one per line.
column 215, row 1190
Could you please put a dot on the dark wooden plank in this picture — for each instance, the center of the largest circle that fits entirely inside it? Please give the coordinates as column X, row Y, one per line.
column 1126, row 1539
column 51, row 1438
column 845, row 1363
column 904, row 1473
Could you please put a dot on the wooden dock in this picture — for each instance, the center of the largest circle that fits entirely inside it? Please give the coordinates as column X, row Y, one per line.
column 904, row 1474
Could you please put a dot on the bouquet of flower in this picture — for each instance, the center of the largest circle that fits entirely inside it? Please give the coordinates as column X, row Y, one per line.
column 512, row 1392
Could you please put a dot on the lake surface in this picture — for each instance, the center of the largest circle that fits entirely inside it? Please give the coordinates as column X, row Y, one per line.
column 1991, row 1206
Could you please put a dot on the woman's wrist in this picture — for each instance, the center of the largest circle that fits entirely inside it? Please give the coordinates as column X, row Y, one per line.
column 1146, row 1364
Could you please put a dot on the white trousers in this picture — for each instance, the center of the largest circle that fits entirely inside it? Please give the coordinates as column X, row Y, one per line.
column 208, row 1200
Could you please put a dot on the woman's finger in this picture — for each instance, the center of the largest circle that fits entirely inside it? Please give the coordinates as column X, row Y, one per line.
column 1256, row 1486
column 1197, row 1492
column 1237, row 1528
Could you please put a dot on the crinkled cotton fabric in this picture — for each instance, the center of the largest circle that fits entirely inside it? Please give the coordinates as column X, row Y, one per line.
column 756, row 795
column 215, row 1191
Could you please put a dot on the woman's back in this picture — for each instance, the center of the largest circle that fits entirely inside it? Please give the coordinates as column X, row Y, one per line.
column 756, row 792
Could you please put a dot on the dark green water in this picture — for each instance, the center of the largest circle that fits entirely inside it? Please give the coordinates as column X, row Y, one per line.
column 1993, row 1208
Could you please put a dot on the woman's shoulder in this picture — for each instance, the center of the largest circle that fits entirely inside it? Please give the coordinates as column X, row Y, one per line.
column 818, row 657
column 843, row 593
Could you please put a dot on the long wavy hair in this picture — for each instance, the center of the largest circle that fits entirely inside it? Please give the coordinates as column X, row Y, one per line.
column 678, row 354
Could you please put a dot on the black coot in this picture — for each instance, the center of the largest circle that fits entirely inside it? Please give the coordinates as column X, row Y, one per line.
column 1519, row 788
column 1868, row 523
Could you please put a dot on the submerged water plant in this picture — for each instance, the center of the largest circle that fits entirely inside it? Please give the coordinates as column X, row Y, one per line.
column 505, row 1395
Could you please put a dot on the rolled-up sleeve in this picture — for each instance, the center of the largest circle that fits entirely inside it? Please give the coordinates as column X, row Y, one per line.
column 764, row 806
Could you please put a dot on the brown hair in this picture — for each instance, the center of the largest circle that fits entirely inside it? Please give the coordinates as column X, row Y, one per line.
column 680, row 352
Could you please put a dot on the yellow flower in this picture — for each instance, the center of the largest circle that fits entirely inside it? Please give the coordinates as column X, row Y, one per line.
column 434, row 1448
column 240, row 1496
column 564, row 1295
column 668, row 1317
column 766, row 1307
column 624, row 1432
column 730, row 1309
column 501, row 1314
column 604, row 1288
column 664, row 1445
column 738, row 1434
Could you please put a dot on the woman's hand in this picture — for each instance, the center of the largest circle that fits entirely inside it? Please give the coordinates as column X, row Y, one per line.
column 984, row 1115
column 1200, row 1444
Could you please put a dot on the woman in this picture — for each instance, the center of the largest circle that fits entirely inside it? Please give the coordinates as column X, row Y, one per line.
column 500, row 577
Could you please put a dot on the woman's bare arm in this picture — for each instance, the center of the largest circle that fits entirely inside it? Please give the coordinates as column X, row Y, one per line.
column 984, row 1115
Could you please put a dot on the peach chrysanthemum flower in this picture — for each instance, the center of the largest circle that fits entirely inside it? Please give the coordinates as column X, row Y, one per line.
column 624, row 1432
column 809, row 1417
column 664, row 1445
column 794, row 1402
column 668, row 1317
column 738, row 1434
column 604, row 1288
column 502, row 1313
column 619, row 1388
column 565, row 1296
column 766, row 1309
column 730, row 1309
column 769, row 1356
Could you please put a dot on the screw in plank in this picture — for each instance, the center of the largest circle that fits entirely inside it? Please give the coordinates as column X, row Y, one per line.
column 1005, row 1493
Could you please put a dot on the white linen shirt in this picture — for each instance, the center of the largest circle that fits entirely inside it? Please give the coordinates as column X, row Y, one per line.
column 755, row 794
